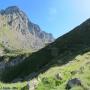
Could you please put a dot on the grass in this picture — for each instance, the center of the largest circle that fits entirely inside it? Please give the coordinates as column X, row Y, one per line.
column 15, row 86
column 75, row 42
column 67, row 54
column 79, row 64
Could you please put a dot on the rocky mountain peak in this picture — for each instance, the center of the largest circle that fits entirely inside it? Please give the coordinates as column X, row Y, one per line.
column 12, row 8
column 9, row 10
column 28, row 34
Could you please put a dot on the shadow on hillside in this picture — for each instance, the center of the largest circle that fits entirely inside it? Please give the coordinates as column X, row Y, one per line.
column 65, row 48
column 58, row 60
column 41, row 61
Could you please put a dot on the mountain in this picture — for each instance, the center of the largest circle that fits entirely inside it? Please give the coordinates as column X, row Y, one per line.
column 17, row 32
column 71, row 44
column 53, row 67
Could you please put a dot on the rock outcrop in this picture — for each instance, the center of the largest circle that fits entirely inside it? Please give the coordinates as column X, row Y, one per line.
column 73, row 82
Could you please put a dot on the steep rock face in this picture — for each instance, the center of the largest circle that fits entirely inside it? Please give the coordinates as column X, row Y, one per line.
column 24, row 33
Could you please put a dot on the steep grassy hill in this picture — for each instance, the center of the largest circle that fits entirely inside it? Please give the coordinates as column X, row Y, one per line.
column 79, row 67
column 60, row 56
column 73, row 43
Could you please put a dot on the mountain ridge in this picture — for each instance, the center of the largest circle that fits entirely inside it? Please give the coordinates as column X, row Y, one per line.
column 27, row 34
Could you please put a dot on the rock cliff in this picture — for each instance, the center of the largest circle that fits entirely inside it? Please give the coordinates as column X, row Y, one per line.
column 18, row 32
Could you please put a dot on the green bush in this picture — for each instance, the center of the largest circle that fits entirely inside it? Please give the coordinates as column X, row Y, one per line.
column 48, row 83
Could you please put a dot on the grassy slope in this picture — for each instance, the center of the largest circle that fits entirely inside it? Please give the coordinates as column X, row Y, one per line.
column 67, row 47
column 71, row 44
column 15, row 86
column 65, row 70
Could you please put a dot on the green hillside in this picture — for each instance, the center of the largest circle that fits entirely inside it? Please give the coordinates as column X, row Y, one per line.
column 80, row 65
column 71, row 44
column 69, row 53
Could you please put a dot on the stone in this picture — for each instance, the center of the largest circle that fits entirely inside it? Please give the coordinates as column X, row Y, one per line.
column 27, row 34
column 73, row 82
column 59, row 76
column 28, row 85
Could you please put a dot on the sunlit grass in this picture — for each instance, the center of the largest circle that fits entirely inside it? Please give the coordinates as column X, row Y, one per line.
column 81, row 64
column 17, row 86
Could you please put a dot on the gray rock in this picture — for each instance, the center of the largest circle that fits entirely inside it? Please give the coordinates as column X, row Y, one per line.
column 28, row 85
column 73, row 82
column 27, row 34
column 59, row 76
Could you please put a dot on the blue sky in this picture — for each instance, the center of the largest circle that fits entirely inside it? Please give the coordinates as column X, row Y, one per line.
column 53, row 16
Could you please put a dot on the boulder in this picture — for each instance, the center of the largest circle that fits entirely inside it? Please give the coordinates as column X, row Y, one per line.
column 73, row 82
column 59, row 76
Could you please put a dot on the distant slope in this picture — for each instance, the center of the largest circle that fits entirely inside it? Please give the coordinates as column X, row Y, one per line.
column 18, row 32
column 60, row 52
